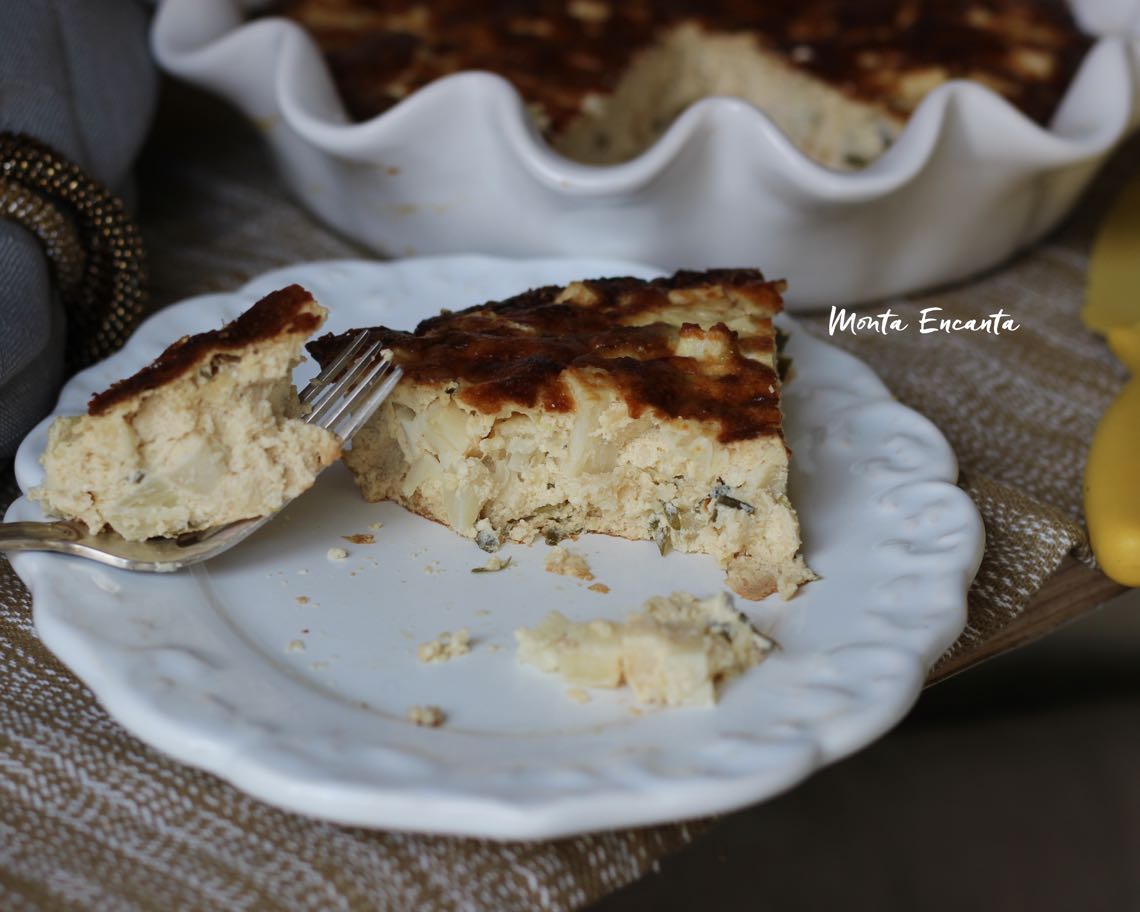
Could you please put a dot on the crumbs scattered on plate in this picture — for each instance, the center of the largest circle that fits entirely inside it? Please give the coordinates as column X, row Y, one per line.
column 360, row 538
column 295, row 646
column 337, row 554
column 302, row 600
column 599, row 587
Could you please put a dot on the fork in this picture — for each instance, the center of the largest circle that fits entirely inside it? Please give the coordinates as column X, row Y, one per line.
column 341, row 398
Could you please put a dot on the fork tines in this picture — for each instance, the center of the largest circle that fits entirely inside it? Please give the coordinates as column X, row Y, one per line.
column 351, row 387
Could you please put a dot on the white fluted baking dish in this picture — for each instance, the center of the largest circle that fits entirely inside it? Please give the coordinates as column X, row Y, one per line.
column 458, row 167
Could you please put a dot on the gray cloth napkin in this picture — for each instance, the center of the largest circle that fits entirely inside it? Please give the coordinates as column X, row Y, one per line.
column 77, row 75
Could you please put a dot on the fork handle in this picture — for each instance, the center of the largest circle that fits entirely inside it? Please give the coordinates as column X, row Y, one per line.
column 36, row 536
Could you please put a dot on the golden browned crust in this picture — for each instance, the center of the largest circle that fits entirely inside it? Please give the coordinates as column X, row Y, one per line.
column 623, row 331
column 286, row 311
column 558, row 52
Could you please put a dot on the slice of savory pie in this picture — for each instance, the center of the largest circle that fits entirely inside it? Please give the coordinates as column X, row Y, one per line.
column 209, row 433
column 643, row 409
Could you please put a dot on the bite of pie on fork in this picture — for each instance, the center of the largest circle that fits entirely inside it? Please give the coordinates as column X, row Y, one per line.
column 189, row 455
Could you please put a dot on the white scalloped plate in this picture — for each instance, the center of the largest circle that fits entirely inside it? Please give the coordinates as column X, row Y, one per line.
column 457, row 167
column 198, row 664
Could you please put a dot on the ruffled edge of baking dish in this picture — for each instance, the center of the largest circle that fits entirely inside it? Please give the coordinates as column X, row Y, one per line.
column 964, row 147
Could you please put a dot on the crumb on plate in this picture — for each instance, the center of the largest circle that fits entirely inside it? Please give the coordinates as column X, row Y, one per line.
column 446, row 646
column 494, row 565
column 426, row 716
column 578, row 695
column 563, row 561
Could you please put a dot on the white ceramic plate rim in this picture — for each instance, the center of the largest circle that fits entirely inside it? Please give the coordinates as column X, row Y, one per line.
column 398, row 785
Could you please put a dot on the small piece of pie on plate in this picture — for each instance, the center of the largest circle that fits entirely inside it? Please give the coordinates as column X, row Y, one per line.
column 648, row 410
column 209, row 433
column 677, row 650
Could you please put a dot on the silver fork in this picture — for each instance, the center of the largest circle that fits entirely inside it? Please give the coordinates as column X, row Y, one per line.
column 340, row 398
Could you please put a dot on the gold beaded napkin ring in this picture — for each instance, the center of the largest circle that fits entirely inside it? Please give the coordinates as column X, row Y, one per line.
column 94, row 247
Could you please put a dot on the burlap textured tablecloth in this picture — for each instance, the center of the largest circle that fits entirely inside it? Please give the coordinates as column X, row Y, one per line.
column 92, row 818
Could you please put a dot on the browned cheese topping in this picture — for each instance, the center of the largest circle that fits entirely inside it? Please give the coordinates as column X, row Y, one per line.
column 615, row 331
column 281, row 312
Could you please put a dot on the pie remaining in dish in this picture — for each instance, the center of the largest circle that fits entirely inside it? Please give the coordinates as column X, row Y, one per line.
column 605, row 79
column 209, row 433
column 642, row 409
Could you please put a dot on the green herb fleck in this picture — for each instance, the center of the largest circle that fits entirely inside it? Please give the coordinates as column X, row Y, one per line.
column 489, row 569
